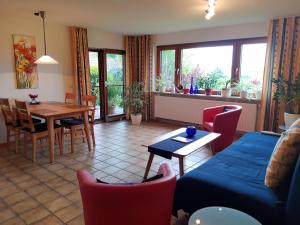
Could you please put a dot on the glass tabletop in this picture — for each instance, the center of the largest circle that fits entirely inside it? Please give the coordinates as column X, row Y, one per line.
column 221, row 216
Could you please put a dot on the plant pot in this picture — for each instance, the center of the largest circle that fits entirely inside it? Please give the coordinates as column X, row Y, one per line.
column 186, row 91
column 243, row 94
column 163, row 89
column 290, row 118
column 208, row 91
column 136, row 119
column 258, row 94
column 112, row 109
column 226, row 92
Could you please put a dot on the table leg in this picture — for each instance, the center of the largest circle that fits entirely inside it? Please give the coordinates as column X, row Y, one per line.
column 181, row 166
column 51, row 137
column 148, row 165
column 87, row 129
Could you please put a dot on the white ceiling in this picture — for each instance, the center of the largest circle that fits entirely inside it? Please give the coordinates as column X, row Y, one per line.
column 150, row 16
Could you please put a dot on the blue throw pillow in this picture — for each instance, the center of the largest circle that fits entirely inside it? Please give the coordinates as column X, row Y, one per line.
column 227, row 109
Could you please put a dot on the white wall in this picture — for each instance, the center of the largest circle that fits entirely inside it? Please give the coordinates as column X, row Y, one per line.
column 213, row 34
column 101, row 39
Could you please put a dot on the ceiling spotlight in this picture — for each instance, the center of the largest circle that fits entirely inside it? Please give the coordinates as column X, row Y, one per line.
column 210, row 12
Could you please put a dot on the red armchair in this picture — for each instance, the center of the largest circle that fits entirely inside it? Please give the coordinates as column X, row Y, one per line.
column 222, row 119
column 133, row 204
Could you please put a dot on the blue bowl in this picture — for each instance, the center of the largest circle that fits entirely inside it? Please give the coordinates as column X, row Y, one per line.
column 191, row 131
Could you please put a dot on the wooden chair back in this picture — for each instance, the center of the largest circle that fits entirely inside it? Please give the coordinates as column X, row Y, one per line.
column 70, row 98
column 90, row 100
column 4, row 101
column 24, row 115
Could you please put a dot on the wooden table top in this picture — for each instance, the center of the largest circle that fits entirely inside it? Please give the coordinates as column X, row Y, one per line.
column 187, row 149
column 56, row 109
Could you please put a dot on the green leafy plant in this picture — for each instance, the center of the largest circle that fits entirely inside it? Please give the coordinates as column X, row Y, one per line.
column 161, row 83
column 134, row 98
column 288, row 91
column 226, row 84
column 207, row 82
column 242, row 86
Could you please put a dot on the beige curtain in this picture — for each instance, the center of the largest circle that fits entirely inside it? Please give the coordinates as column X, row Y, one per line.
column 139, row 53
column 283, row 59
column 80, row 61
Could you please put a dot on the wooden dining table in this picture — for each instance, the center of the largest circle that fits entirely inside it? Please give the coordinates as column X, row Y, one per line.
column 51, row 111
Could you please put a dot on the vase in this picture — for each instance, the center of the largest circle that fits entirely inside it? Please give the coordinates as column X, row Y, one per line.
column 191, row 87
column 196, row 90
column 208, row 91
column 191, row 131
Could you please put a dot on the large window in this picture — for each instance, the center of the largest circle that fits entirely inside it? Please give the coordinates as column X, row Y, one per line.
column 236, row 60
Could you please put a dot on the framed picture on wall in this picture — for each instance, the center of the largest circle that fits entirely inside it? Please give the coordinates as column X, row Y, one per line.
column 25, row 56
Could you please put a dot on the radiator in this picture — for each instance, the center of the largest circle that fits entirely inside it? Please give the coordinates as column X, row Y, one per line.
column 190, row 110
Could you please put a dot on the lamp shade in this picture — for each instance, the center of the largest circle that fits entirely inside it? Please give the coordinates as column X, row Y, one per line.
column 46, row 59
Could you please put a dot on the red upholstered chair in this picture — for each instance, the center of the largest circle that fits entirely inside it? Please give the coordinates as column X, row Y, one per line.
column 147, row 203
column 222, row 119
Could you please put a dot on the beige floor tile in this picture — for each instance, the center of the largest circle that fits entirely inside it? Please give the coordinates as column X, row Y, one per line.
column 69, row 213
column 38, row 189
column 28, row 183
column 14, row 221
column 8, row 190
column 50, row 220
column 45, row 197
column 5, row 215
column 75, row 196
column 77, row 221
column 57, row 204
column 15, row 198
column 25, row 205
column 34, row 215
column 66, row 188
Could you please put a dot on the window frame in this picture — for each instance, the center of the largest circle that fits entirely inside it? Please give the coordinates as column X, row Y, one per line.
column 236, row 55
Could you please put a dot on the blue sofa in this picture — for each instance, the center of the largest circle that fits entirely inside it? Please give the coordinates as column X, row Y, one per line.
column 235, row 178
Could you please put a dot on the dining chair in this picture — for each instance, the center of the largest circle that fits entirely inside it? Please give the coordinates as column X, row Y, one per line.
column 11, row 123
column 77, row 124
column 34, row 132
column 70, row 98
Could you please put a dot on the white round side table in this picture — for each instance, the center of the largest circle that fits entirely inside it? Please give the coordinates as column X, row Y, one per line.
column 221, row 216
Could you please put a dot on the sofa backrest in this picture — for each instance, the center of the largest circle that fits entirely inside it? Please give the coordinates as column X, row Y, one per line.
column 293, row 201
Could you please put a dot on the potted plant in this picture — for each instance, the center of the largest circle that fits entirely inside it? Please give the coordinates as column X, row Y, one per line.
column 242, row 87
column 288, row 91
column 226, row 90
column 134, row 100
column 256, row 88
column 207, row 83
column 161, row 84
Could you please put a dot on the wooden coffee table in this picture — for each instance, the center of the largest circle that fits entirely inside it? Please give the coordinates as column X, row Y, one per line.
column 182, row 152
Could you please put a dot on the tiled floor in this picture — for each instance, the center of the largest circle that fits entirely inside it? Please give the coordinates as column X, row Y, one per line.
column 42, row 193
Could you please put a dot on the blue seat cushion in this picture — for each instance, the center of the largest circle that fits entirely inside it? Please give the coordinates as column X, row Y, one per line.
column 71, row 122
column 41, row 127
column 235, row 178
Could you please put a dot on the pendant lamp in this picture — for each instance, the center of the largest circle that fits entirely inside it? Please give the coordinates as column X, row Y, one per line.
column 44, row 59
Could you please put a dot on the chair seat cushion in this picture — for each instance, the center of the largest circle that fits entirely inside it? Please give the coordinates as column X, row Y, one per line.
column 71, row 122
column 41, row 127
column 208, row 126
